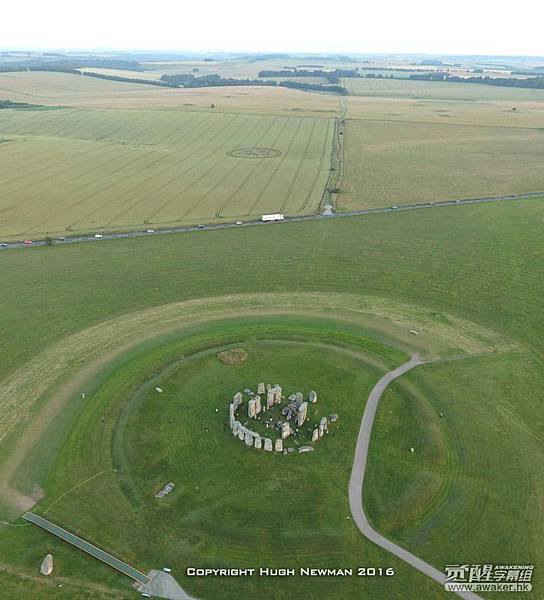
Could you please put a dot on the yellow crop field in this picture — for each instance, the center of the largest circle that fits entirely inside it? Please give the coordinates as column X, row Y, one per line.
column 71, row 170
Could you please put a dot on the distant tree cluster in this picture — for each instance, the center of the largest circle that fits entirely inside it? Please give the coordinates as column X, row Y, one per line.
column 529, row 82
column 70, row 65
column 189, row 80
column 10, row 104
column 124, row 79
column 315, row 87
column 331, row 76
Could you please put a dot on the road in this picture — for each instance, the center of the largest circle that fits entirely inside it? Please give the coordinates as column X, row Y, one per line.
column 82, row 544
column 315, row 217
column 357, row 479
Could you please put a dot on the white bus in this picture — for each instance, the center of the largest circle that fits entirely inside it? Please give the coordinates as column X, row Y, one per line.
column 276, row 217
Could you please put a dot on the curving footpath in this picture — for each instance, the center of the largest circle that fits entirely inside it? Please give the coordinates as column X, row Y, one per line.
column 357, row 479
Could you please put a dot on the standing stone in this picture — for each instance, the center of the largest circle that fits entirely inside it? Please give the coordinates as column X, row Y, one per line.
column 299, row 398
column 268, row 444
column 278, row 446
column 273, row 396
column 258, row 442
column 301, row 416
column 261, row 389
column 251, row 409
column 235, row 427
column 232, row 420
column 249, row 438
column 313, row 397
column 241, row 432
column 323, row 426
column 285, row 430
column 238, row 397
column 315, row 434
column 46, row 567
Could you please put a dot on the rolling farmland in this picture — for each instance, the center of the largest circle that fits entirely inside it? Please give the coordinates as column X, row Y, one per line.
column 88, row 170
column 437, row 90
column 401, row 162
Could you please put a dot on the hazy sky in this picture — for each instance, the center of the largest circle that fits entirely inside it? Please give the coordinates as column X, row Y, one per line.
column 431, row 26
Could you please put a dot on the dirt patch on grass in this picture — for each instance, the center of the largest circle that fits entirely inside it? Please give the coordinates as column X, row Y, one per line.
column 235, row 356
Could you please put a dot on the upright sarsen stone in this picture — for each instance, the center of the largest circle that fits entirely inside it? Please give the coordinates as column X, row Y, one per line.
column 268, row 444
column 301, row 414
column 285, row 430
column 254, row 407
column 278, row 446
column 313, row 397
column 315, row 434
column 273, row 396
column 323, row 426
column 261, row 389
column 258, row 443
column 237, row 400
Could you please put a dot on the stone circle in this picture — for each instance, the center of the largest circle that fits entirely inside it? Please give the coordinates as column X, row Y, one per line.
column 286, row 421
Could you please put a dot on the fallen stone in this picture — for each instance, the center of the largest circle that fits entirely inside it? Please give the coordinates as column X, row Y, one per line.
column 303, row 449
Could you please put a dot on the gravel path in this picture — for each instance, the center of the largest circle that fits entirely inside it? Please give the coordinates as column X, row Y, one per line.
column 357, row 479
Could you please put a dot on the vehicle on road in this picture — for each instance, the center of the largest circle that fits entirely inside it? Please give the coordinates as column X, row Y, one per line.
column 238, row 222
column 3, row 245
column 28, row 242
column 98, row 235
column 200, row 226
column 394, row 207
column 274, row 217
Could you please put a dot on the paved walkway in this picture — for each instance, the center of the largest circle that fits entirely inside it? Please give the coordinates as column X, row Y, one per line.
column 82, row 544
column 357, row 479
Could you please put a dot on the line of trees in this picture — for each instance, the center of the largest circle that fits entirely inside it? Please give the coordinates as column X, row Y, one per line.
column 11, row 104
column 190, row 81
column 529, row 82
column 315, row 87
column 331, row 76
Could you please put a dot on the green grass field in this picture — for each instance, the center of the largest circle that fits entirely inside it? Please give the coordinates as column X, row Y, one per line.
column 120, row 312
column 454, row 473
column 400, row 162
column 70, row 171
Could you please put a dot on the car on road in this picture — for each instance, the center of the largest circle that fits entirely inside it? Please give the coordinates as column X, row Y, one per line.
column 62, row 239
column 394, row 207
column 3, row 245
column 98, row 235
column 150, row 231
column 238, row 222
column 28, row 242
column 200, row 226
